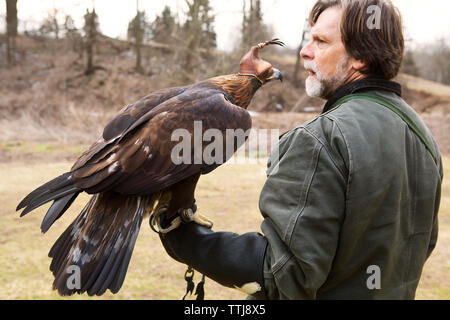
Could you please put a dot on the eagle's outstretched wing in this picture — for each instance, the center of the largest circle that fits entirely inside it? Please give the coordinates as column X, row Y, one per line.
column 135, row 154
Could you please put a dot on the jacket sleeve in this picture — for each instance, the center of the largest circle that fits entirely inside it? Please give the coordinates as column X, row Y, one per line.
column 303, row 203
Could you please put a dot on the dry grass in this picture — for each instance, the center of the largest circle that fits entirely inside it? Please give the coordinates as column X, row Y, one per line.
column 435, row 282
column 229, row 196
column 424, row 85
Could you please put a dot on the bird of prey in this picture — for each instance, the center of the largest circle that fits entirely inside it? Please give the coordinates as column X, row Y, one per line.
column 130, row 174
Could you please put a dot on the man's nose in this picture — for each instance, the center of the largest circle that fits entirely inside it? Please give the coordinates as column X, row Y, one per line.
column 307, row 53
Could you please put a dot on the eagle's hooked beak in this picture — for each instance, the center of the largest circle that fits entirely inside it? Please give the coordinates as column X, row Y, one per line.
column 276, row 75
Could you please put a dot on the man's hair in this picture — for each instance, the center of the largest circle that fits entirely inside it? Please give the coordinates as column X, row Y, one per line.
column 379, row 45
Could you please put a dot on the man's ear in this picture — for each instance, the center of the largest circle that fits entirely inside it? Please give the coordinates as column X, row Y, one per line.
column 358, row 65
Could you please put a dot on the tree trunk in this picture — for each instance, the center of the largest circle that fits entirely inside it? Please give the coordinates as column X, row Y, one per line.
column 11, row 30
column 193, row 35
column 90, row 40
column 138, row 44
column 139, row 40
column 138, row 58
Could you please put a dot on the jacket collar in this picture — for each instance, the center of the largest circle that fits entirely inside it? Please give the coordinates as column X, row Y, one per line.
column 368, row 83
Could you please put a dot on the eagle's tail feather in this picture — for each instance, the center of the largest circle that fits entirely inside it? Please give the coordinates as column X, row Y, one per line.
column 59, row 189
column 98, row 245
column 57, row 183
column 57, row 210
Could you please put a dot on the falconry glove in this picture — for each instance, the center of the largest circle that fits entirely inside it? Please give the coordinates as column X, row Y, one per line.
column 233, row 260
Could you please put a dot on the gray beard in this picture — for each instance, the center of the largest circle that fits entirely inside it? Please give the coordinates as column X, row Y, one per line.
column 322, row 87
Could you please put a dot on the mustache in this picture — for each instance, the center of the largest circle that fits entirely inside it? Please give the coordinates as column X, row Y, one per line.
column 311, row 65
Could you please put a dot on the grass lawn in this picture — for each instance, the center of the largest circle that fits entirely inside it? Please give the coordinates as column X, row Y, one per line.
column 229, row 196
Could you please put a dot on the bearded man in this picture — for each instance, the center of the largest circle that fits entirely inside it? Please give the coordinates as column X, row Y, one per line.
column 351, row 200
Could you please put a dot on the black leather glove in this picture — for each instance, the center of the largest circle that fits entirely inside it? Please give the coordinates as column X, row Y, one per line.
column 228, row 258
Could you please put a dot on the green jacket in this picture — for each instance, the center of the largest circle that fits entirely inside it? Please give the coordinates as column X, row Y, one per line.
column 350, row 193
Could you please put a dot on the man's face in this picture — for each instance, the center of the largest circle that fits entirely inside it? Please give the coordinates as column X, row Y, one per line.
column 325, row 58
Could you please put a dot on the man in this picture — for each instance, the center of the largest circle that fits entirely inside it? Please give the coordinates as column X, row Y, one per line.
column 351, row 210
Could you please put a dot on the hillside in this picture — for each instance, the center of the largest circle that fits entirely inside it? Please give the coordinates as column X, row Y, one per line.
column 47, row 97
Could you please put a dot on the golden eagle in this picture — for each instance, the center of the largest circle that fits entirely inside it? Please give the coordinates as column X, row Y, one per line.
column 130, row 173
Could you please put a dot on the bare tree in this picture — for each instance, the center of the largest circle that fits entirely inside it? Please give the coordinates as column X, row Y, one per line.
column 138, row 31
column 440, row 62
column 90, row 29
column 197, row 30
column 192, row 30
column 254, row 29
column 164, row 27
column 51, row 24
column 74, row 40
column 433, row 61
column 409, row 65
column 11, row 30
